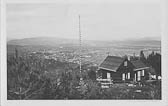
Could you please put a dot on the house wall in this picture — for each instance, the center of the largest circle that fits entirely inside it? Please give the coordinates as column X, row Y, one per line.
column 144, row 77
column 117, row 76
column 126, row 69
column 104, row 73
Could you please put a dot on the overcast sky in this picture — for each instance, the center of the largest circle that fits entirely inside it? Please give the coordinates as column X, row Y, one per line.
column 103, row 20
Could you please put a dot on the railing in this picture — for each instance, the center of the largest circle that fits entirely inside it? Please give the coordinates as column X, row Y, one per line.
column 105, row 83
column 99, row 79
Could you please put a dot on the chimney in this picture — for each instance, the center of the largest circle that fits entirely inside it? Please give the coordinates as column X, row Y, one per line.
column 134, row 55
column 128, row 58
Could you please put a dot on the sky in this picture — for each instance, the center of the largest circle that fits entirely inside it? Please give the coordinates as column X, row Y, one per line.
column 102, row 20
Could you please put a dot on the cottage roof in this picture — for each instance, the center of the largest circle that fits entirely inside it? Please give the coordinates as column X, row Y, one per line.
column 111, row 63
column 138, row 64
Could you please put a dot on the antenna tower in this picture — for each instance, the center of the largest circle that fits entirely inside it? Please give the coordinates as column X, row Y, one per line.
column 80, row 45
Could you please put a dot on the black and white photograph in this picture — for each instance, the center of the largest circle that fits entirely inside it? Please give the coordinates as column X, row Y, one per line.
column 107, row 50
column 90, row 52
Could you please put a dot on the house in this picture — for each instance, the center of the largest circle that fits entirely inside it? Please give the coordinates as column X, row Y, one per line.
column 120, row 69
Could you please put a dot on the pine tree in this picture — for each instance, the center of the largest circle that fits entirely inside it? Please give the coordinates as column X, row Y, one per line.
column 142, row 57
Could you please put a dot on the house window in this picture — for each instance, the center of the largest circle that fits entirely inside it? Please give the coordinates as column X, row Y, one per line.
column 128, row 75
column 139, row 75
column 125, row 63
column 143, row 73
column 123, row 76
column 108, row 76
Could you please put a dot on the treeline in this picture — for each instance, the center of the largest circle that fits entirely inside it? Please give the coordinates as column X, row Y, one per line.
column 154, row 59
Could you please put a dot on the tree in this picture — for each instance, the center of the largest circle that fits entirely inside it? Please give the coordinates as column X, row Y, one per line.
column 142, row 57
column 92, row 74
column 24, row 76
column 154, row 59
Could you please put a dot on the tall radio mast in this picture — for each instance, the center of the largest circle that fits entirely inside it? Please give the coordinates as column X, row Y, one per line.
column 80, row 45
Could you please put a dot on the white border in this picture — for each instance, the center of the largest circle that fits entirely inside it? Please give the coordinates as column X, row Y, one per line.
column 3, row 54
column 164, row 51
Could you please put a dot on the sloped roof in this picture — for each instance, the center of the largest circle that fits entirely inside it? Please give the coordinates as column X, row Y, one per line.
column 138, row 64
column 111, row 63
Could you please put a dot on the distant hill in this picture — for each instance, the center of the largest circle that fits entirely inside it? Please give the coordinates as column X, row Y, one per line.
column 53, row 41
column 41, row 41
column 142, row 42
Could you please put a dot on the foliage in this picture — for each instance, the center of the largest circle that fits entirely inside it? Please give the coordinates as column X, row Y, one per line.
column 154, row 59
column 142, row 57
